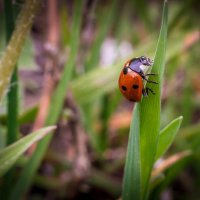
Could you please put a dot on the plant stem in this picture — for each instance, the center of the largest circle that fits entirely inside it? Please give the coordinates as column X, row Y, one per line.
column 12, row 102
column 12, row 106
column 13, row 49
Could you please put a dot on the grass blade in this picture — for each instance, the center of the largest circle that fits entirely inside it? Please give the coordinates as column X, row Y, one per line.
column 12, row 104
column 168, row 162
column 12, row 96
column 145, row 126
column 151, row 111
column 132, row 179
column 10, row 154
column 167, row 135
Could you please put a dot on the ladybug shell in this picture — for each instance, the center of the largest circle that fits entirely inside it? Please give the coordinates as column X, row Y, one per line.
column 131, row 85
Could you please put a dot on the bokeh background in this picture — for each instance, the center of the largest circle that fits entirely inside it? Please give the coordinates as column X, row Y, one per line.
column 85, row 159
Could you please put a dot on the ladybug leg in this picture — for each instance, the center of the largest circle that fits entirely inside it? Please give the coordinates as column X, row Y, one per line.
column 145, row 91
column 152, row 82
column 151, row 74
column 144, row 77
column 149, row 89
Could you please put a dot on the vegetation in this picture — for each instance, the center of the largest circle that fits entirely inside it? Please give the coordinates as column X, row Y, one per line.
column 59, row 66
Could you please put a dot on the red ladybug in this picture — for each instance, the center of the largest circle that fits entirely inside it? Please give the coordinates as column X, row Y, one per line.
column 132, row 76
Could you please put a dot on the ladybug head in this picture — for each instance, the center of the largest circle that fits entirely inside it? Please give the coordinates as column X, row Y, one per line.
column 146, row 61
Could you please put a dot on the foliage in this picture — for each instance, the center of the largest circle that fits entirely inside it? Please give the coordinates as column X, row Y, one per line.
column 88, row 50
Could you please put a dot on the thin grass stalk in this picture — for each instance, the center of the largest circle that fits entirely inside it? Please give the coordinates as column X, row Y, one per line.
column 12, row 96
column 12, row 104
column 14, row 47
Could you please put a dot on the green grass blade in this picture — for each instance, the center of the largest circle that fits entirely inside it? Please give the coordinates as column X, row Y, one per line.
column 167, row 136
column 145, row 126
column 12, row 104
column 132, row 179
column 151, row 110
column 10, row 154
column 30, row 169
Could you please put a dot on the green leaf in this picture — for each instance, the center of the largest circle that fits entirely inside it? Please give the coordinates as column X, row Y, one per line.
column 167, row 136
column 132, row 179
column 10, row 154
column 145, row 127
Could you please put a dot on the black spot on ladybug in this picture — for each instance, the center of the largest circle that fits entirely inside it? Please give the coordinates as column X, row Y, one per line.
column 124, row 88
column 125, row 70
column 135, row 86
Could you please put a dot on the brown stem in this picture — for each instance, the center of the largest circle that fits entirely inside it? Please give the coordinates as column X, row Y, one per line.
column 52, row 45
column 50, row 64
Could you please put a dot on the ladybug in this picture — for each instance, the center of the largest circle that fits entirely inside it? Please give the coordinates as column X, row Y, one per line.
column 132, row 76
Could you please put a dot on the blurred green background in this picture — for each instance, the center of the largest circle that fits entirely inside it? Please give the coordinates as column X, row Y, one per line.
column 92, row 40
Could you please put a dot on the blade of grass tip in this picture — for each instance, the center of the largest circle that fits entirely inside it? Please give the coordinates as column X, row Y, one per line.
column 144, row 131
column 24, row 182
column 167, row 135
column 10, row 154
column 151, row 110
